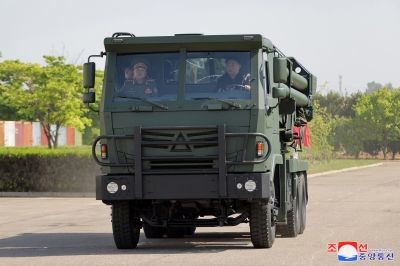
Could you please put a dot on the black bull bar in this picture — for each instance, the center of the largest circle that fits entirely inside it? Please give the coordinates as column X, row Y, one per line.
column 220, row 142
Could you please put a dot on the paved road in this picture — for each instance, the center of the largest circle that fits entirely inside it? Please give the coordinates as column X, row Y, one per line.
column 361, row 205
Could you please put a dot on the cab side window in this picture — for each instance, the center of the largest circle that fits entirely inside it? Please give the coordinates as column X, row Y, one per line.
column 266, row 74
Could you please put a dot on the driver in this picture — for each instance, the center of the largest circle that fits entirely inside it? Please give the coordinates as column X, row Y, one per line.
column 234, row 78
column 140, row 85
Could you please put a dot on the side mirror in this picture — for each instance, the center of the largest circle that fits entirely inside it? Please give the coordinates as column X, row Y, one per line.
column 88, row 97
column 280, row 70
column 89, row 70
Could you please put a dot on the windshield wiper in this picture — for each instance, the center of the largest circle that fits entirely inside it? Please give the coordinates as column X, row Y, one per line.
column 233, row 104
column 144, row 100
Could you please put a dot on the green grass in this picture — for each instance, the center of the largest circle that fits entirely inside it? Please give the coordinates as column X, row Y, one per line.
column 338, row 164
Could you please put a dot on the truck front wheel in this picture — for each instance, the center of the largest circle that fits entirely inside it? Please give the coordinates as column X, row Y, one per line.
column 262, row 224
column 292, row 228
column 126, row 227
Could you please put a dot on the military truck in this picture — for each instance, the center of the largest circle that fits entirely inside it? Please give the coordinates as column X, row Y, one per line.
column 196, row 155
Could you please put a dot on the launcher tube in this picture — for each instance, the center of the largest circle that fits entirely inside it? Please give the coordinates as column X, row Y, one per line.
column 298, row 81
column 283, row 92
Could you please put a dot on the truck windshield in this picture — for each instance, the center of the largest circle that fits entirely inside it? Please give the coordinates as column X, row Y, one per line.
column 153, row 77
column 221, row 75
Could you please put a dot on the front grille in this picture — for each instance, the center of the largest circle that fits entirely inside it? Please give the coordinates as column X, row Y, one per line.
column 185, row 136
column 203, row 134
column 184, row 144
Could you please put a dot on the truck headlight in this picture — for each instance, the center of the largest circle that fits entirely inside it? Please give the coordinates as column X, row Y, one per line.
column 250, row 185
column 112, row 187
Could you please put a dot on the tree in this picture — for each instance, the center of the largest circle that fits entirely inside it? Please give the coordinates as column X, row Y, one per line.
column 7, row 112
column 320, row 129
column 350, row 136
column 339, row 111
column 372, row 146
column 332, row 102
column 335, row 138
column 50, row 94
column 337, row 105
column 348, row 104
column 394, row 147
column 372, row 87
column 378, row 112
column 389, row 86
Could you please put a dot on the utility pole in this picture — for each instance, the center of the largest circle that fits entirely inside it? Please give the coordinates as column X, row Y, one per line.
column 340, row 85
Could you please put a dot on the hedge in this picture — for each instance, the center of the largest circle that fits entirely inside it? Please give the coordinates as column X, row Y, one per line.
column 39, row 169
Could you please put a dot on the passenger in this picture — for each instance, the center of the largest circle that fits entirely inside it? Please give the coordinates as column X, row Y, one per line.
column 140, row 85
column 128, row 75
column 234, row 78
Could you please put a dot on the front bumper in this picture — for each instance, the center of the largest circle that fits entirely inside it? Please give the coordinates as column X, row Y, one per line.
column 178, row 187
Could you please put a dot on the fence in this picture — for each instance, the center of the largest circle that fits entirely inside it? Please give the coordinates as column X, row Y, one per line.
column 14, row 133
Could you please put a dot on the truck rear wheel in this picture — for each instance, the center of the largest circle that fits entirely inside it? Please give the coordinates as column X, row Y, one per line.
column 152, row 231
column 292, row 228
column 126, row 228
column 303, row 203
column 262, row 224
column 175, row 232
column 190, row 230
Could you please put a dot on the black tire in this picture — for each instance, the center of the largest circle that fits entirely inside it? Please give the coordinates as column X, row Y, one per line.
column 262, row 224
column 190, row 230
column 126, row 229
column 175, row 232
column 303, row 203
column 152, row 231
column 292, row 227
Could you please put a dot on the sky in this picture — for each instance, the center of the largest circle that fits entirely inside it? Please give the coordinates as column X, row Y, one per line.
column 357, row 39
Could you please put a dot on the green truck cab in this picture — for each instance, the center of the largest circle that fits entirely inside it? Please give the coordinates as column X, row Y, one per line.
column 198, row 131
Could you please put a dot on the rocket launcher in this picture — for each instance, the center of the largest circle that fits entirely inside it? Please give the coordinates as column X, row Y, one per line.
column 295, row 89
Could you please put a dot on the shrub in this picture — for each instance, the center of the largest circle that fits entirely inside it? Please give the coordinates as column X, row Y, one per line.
column 38, row 169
